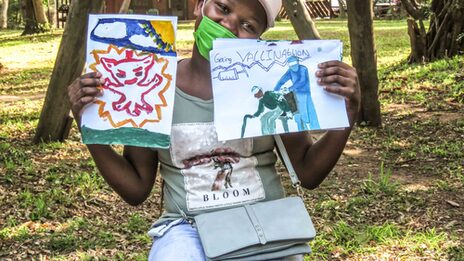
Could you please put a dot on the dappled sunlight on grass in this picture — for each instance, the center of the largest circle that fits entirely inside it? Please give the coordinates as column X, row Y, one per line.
column 36, row 51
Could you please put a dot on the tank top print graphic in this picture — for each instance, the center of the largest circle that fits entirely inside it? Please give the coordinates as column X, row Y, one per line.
column 216, row 173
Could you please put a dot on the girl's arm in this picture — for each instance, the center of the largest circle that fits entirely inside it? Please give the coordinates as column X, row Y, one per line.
column 314, row 161
column 132, row 174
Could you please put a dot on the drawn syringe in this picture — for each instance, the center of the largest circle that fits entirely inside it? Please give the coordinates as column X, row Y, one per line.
column 231, row 74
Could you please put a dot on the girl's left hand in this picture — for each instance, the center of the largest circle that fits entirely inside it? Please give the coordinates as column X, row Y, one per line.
column 342, row 79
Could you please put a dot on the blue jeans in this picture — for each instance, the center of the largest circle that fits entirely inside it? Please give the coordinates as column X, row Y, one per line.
column 182, row 243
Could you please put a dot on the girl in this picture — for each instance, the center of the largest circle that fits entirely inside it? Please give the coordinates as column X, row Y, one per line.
column 195, row 166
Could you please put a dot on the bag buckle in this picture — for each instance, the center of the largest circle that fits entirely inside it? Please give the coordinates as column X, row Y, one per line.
column 299, row 189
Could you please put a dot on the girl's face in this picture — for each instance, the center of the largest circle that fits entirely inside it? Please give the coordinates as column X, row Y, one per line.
column 244, row 18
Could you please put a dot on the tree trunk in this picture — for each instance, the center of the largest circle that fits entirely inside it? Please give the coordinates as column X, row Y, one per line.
column 39, row 12
column 54, row 122
column 301, row 20
column 442, row 38
column 4, row 15
column 51, row 13
column 124, row 6
column 341, row 7
column 363, row 54
column 32, row 26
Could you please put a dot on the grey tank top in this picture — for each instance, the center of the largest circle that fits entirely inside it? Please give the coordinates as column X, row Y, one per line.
column 203, row 174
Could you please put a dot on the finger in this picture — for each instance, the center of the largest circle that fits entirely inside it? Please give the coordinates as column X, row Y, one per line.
column 90, row 82
column 340, row 90
column 337, row 70
column 85, row 92
column 91, row 75
column 79, row 104
column 90, row 91
column 334, row 63
column 336, row 79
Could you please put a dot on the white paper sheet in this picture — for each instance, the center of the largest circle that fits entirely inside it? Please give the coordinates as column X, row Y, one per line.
column 137, row 57
column 235, row 72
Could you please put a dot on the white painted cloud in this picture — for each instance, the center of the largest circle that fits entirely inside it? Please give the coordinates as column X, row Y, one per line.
column 116, row 30
column 142, row 40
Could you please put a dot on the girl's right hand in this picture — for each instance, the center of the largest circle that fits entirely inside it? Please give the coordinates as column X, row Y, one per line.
column 83, row 91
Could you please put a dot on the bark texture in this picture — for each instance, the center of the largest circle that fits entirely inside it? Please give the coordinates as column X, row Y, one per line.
column 364, row 56
column 39, row 12
column 55, row 122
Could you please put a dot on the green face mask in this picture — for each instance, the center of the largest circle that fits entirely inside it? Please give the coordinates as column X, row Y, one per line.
column 207, row 32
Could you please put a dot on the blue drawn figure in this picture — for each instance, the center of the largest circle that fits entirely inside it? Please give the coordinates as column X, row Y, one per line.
column 277, row 106
column 299, row 76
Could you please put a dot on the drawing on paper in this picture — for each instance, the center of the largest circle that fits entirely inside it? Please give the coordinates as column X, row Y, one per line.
column 271, row 88
column 277, row 107
column 137, row 59
column 135, row 89
column 297, row 74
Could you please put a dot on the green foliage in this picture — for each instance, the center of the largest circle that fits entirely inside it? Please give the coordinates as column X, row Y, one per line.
column 14, row 14
column 431, row 84
column 137, row 224
column 384, row 184
column 62, row 242
column 37, row 204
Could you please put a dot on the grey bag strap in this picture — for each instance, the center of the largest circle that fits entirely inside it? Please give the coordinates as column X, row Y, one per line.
column 283, row 152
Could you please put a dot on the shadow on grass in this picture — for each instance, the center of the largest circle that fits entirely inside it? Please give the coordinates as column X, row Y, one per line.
column 456, row 253
column 16, row 40
column 24, row 77
column 18, row 117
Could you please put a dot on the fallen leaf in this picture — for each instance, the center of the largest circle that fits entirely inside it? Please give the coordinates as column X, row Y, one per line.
column 452, row 203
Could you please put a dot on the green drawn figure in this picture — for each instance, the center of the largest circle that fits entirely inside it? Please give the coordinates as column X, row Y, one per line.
column 277, row 106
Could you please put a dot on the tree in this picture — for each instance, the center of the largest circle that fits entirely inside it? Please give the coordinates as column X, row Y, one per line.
column 341, row 7
column 300, row 19
column 443, row 36
column 4, row 14
column 55, row 122
column 124, row 6
column 36, row 21
column 39, row 11
column 51, row 13
column 363, row 54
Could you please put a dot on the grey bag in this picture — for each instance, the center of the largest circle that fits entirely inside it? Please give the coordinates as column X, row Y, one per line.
column 262, row 231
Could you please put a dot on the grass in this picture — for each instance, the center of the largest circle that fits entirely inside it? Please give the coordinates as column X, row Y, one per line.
column 383, row 185
column 385, row 200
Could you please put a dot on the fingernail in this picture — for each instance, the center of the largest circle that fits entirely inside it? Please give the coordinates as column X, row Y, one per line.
column 318, row 73
column 98, row 74
column 321, row 65
column 319, row 80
